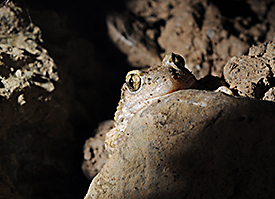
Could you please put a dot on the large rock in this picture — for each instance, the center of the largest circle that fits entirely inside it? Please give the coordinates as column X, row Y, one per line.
column 37, row 145
column 206, row 33
column 194, row 144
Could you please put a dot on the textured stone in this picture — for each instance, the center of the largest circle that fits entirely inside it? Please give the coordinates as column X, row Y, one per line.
column 206, row 33
column 95, row 154
column 24, row 62
column 194, row 144
column 270, row 95
column 36, row 138
column 252, row 75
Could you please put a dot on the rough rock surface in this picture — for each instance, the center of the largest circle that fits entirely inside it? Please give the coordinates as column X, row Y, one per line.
column 194, row 144
column 95, row 154
column 252, row 75
column 23, row 61
column 206, row 33
column 36, row 137
column 270, row 95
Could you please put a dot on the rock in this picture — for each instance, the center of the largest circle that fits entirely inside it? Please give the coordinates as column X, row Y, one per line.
column 194, row 144
column 130, row 41
column 252, row 75
column 205, row 33
column 36, row 138
column 270, row 95
column 95, row 154
column 24, row 62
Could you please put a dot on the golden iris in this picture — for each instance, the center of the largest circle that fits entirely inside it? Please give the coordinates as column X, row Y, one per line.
column 133, row 82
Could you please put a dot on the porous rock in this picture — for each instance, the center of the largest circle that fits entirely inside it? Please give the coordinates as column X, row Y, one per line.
column 36, row 139
column 95, row 154
column 204, row 32
column 252, row 75
column 194, row 144
column 24, row 62
column 270, row 95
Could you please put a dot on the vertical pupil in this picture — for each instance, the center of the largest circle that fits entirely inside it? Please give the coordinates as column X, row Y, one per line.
column 131, row 82
column 178, row 60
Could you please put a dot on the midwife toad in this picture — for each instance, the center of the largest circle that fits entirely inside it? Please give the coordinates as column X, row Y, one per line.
column 141, row 87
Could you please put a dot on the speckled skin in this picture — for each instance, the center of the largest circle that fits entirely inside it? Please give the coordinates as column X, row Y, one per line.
column 142, row 87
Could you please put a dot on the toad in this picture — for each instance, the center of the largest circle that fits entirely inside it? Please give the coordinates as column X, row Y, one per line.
column 144, row 86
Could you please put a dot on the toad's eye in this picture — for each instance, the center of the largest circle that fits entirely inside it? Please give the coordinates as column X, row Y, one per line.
column 178, row 61
column 133, row 82
column 174, row 60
